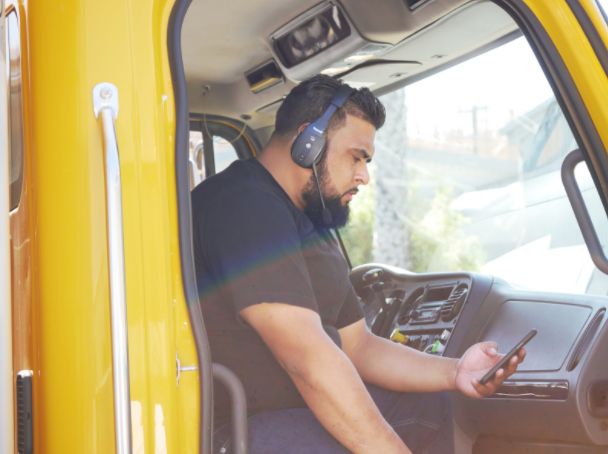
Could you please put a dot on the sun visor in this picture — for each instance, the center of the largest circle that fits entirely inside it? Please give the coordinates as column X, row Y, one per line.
column 381, row 73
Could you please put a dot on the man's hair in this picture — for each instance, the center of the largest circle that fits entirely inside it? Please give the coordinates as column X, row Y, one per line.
column 310, row 99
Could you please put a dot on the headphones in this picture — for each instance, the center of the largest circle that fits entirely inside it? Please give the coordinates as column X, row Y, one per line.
column 309, row 146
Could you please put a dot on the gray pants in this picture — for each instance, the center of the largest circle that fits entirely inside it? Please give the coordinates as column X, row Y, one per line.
column 423, row 421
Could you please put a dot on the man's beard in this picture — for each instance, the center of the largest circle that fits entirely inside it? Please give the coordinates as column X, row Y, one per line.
column 333, row 200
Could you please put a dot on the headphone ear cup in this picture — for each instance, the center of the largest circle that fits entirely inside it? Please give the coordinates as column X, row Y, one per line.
column 321, row 153
column 306, row 148
column 294, row 155
column 296, row 149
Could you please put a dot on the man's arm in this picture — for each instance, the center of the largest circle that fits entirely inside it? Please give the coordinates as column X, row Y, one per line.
column 396, row 367
column 324, row 376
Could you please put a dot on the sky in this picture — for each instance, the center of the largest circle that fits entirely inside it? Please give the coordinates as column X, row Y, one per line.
column 504, row 83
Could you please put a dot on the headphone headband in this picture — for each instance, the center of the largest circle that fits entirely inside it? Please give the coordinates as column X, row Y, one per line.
column 341, row 95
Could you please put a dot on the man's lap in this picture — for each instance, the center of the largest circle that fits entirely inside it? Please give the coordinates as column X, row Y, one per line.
column 423, row 421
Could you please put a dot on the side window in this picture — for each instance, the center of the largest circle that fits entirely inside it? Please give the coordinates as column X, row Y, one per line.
column 224, row 153
column 466, row 177
column 13, row 47
column 223, row 149
column 196, row 161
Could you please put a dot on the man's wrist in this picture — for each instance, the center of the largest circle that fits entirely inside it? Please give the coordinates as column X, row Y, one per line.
column 452, row 370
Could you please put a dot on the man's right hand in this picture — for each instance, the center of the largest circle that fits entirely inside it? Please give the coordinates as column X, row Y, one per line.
column 324, row 376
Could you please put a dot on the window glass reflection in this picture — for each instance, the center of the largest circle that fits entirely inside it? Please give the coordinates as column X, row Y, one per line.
column 15, row 109
column 466, row 177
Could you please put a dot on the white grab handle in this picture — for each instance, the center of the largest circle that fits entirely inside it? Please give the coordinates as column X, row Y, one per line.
column 105, row 105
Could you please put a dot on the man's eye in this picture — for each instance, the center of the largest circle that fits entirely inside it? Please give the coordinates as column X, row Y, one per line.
column 356, row 159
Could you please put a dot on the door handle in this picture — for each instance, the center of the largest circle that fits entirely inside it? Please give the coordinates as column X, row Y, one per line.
column 580, row 210
column 105, row 106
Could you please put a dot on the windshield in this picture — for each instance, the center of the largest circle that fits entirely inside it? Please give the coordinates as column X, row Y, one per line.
column 466, row 177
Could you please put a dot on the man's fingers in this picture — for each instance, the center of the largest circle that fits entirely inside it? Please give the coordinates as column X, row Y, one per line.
column 515, row 361
column 482, row 390
column 489, row 348
column 490, row 387
column 512, row 365
column 521, row 354
column 478, row 387
column 499, row 377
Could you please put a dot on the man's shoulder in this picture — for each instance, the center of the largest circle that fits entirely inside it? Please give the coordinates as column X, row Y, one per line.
column 242, row 184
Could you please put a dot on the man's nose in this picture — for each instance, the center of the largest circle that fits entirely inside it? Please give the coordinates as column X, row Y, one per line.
column 362, row 174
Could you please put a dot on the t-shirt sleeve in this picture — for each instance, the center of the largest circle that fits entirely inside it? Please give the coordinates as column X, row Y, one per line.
column 351, row 310
column 251, row 248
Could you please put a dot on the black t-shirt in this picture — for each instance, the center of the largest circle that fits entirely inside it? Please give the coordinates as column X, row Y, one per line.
column 253, row 245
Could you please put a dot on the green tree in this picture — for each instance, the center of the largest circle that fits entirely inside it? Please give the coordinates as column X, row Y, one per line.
column 438, row 241
column 358, row 234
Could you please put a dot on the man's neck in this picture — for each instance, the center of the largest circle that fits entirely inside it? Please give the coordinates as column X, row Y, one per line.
column 276, row 158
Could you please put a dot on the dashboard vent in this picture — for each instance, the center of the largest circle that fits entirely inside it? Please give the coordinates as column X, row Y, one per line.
column 264, row 76
column 454, row 303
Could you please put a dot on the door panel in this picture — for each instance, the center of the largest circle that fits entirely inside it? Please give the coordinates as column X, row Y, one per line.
column 73, row 47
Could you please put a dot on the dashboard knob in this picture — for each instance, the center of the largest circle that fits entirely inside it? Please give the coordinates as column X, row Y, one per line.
column 373, row 276
column 444, row 336
column 398, row 337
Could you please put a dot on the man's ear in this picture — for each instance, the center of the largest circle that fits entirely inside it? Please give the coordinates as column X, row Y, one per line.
column 302, row 128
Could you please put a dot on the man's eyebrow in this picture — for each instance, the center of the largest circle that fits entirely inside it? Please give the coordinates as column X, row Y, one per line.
column 364, row 154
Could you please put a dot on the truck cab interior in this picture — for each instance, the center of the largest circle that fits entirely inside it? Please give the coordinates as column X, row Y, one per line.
column 487, row 190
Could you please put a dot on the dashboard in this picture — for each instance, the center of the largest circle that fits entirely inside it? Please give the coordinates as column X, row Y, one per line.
column 416, row 310
column 558, row 396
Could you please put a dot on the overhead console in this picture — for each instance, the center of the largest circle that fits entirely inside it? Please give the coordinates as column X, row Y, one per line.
column 325, row 38
column 558, row 397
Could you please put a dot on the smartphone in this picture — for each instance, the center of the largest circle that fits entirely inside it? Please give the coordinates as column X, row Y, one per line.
column 507, row 357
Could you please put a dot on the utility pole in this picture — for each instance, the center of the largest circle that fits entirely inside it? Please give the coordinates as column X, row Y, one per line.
column 473, row 111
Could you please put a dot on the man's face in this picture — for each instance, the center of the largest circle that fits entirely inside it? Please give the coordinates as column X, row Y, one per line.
column 341, row 171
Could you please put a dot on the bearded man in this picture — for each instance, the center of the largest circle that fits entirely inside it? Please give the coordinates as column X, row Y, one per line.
column 280, row 310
